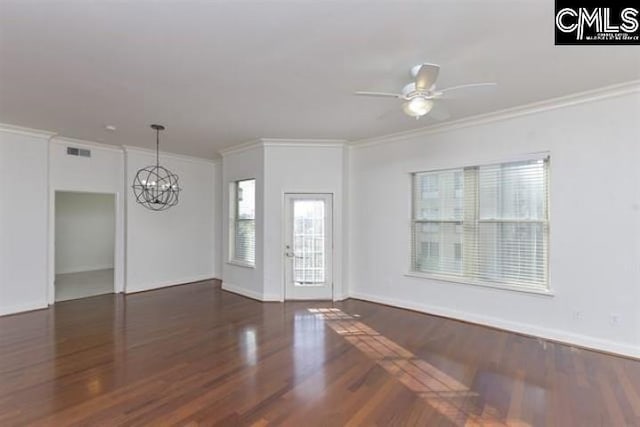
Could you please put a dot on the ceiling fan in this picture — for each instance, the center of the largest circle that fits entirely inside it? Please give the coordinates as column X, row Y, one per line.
column 421, row 95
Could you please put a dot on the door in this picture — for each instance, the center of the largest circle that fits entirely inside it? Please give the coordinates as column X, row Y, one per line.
column 308, row 250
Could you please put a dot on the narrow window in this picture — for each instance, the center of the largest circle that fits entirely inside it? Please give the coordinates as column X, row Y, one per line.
column 242, row 236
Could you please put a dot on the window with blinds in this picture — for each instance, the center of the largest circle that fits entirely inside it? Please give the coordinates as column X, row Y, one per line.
column 484, row 224
column 242, row 203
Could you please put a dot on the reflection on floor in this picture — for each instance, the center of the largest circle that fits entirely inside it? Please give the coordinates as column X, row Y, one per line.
column 442, row 392
column 83, row 284
column 198, row 355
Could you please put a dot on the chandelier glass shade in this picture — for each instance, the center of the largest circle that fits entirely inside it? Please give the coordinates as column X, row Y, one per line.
column 156, row 187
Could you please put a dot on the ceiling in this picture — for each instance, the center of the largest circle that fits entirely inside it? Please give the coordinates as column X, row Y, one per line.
column 220, row 73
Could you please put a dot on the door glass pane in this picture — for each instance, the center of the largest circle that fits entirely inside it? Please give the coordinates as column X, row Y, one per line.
column 308, row 242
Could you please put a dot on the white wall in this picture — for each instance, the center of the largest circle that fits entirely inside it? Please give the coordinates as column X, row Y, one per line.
column 217, row 220
column 85, row 231
column 23, row 221
column 279, row 167
column 300, row 167
column 165, row 248
column 595, row 222
column 103, row 172
column 243, row 163
column 177, row 245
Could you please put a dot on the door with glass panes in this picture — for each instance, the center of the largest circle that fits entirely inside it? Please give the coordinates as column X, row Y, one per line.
column 308, row 247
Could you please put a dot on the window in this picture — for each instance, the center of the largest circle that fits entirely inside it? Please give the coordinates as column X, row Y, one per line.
column 242, row 235
column 485, row 224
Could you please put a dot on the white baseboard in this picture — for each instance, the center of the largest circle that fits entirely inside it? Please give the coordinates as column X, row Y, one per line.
column 272, row 298
column 83, row 269
column 546, row 333
column 13, row 309
column 150, row 286
column 341, row 297
column 230, row 287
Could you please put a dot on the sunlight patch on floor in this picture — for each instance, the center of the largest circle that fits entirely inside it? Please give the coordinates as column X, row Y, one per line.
column 442, row 392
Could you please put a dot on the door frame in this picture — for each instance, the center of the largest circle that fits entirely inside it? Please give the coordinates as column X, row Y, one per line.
column 118, row 255
column 331, row 195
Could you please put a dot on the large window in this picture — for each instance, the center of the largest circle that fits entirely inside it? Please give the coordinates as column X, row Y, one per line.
column 485, row 224
column 242, row 240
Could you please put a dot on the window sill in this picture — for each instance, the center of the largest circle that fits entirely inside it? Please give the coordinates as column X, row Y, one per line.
column 463, row 281
column 241, row 264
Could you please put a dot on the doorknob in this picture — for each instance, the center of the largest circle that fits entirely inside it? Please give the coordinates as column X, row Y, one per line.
column 292, row 255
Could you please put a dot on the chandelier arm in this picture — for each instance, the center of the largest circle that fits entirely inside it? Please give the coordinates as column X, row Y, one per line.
column 155, row 187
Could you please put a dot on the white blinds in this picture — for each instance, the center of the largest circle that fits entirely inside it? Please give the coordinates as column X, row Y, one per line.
column 486, row 223
column 243, row 221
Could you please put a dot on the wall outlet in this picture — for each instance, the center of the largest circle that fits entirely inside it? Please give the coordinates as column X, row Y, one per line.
column 577, row 315
column 614, row 319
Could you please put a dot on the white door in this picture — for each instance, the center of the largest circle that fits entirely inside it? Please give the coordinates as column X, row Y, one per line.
column 308, row 250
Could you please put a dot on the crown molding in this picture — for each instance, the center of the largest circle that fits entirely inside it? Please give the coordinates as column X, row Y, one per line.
column 20, row 130
column 316, row 143
column 140, row 150
column 282, row 142
column 508, row 113
column 239, row 148
column 86, row 143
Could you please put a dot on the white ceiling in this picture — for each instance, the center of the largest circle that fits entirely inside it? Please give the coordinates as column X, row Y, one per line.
column 221, row 73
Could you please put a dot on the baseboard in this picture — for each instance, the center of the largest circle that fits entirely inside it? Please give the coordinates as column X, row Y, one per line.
column 272, row 298
column 230, row 287
column 521, row 328
column 341, row 297
column 20, row 308
column 85, row 269
column 151, row 286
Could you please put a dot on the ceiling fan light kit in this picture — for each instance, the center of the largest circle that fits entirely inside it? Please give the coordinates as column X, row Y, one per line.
column 421, row 95
column 417, row 107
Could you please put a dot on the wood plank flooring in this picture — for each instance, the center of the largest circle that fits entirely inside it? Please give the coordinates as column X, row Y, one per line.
column 196, row 355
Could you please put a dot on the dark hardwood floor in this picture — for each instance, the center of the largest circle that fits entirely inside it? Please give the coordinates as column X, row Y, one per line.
column 197, row 355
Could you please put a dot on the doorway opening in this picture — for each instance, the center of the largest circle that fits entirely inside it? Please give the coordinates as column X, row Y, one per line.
column 85, row 230
column 308, row 252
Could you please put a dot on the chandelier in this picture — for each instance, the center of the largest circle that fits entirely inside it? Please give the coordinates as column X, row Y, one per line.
column 156, row 187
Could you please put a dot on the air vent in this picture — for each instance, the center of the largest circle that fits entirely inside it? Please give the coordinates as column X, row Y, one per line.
column 82, row 152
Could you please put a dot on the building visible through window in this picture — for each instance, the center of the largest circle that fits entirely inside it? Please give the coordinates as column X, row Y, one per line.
column 485, row 224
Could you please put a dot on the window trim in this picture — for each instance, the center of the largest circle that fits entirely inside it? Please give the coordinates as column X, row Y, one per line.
column 466, row 280
column 233, row 222
column 463, row 280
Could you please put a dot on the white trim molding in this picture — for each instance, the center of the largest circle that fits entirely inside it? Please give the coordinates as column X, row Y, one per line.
column 132, row 149
column 62, row 140
column 307, row 143
column 38, row 133
column 239, row 148
column 21, row 308
column 230, row 287
column 556, row 335
column 282, row 142
column 151, row 286
column 508, row 113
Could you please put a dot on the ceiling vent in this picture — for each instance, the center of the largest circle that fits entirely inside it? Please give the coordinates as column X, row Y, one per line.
column 82, row 152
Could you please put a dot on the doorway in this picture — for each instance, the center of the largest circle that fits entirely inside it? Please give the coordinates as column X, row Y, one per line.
column 308, row 252
column 84, row 242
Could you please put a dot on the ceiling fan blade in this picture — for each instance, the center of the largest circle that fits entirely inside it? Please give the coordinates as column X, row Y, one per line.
column 473, row 89
column 439, row 111
column 426, row 76
column 383, row 94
